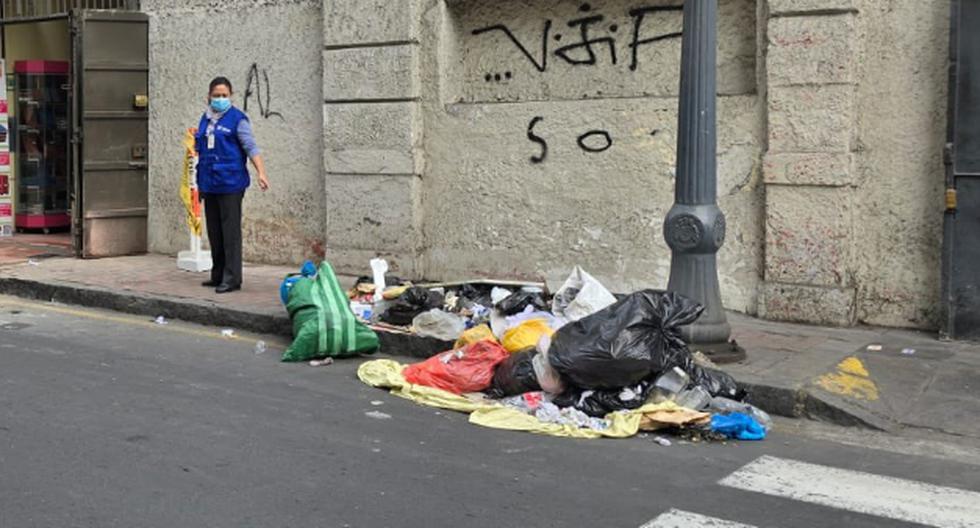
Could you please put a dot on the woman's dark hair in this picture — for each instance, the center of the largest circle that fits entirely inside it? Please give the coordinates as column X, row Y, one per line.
column 218, row 81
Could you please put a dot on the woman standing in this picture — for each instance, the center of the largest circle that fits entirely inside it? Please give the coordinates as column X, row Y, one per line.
column 225, row 143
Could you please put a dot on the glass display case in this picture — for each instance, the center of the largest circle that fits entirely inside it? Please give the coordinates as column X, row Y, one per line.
column 42, row 145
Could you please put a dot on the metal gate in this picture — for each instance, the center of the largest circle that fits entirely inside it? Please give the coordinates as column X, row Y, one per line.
column 961, row 229
column 110, row 81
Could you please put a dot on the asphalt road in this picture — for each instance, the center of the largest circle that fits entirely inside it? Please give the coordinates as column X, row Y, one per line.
column 114, row 421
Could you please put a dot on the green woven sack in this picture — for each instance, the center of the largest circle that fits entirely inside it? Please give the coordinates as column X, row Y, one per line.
column 323, row 324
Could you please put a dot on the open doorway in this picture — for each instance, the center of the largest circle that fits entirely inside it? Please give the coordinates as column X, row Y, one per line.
column 34, row 181
column 75, row 181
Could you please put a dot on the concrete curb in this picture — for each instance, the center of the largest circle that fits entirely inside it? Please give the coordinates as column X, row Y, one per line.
column 780, row 401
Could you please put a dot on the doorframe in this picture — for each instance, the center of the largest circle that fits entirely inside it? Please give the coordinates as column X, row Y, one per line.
column 73, row 181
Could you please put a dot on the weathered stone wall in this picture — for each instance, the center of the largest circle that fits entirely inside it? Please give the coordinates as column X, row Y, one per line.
column 856, row 119
column 540, row 156
column 270, row 50
column 464, row 138
column 429, row 132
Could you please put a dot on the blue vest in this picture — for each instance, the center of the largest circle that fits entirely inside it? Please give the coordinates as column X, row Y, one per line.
column 222, row 170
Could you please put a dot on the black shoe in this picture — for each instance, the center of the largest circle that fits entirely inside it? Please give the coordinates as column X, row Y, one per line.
column 225, row 288
column 210, row 284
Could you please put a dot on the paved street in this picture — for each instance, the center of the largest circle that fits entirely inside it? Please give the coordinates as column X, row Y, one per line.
column 114, row 421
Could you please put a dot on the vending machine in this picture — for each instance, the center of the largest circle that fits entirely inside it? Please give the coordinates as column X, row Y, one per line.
column 42, row 145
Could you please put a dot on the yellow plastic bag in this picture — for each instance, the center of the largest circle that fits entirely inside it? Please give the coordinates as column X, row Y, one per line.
column 526, row 335
column 477, row 333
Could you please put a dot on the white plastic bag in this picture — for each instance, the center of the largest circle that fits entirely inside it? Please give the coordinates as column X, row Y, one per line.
column 439, row 324
column 549, row 380
column 581, row 295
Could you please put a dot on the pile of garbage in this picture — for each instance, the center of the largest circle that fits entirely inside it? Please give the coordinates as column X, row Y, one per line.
column 580, row 362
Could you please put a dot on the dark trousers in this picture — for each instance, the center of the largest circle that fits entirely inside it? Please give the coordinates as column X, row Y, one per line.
column 223, row 213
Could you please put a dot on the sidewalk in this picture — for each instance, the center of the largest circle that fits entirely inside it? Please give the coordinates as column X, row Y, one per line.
column 905, row 380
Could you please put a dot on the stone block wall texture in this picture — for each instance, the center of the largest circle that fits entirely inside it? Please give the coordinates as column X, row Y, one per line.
column 853, row 170
column 542, row 153
column 271, row 52
column 459, row 138
column 372, row 134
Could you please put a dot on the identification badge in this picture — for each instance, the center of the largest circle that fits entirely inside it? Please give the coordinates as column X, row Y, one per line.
column 210, row 142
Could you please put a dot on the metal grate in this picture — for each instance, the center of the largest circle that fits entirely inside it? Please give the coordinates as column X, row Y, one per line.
column 41, row 8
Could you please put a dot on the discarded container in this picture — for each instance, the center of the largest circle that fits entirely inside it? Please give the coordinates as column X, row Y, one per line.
column 260, row 347
column 672, row 382
column 379, row 267
column 696, row 398
column 362, row 310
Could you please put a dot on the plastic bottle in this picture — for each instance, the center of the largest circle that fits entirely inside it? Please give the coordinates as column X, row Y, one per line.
column 672, row 381
column 696, row 398
column 722, row 405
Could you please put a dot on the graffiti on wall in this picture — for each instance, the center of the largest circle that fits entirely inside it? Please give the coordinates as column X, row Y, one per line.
column 592, row 141
column 257, row 85
column 592, row 40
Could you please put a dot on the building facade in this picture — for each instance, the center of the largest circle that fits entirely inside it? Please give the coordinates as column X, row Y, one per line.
column 519, row 138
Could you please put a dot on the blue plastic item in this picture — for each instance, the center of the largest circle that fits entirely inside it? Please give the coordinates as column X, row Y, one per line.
column 738, row 425
column 307, row 271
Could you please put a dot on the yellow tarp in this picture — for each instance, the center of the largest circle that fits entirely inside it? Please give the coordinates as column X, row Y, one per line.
column 385, row 373
column 187, row 195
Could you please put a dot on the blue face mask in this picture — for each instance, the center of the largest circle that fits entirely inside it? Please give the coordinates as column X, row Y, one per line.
column 220, row 104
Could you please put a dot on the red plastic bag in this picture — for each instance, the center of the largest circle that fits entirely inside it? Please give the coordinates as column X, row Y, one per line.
column 467, row 369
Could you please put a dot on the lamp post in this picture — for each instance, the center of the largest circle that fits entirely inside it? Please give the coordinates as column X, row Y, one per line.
column 695, row 226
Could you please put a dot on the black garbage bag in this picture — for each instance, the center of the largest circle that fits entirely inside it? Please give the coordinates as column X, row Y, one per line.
column 476, row 294
column 515, row 375
column 518, row 301
column 624, row 343
column 716, row 382
column 411, row 303
column 598, row 403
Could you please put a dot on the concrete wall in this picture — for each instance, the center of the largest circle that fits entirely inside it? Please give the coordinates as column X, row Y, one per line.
column 269, row 48
column 461, row 163
column 464, row 138
column 856, row 118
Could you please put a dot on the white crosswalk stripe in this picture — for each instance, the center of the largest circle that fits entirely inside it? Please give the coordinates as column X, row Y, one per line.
column 856, row 491
column 684, row 519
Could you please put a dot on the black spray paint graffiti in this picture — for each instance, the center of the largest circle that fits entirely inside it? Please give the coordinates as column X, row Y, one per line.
column 254, row 80
column 593, row 141
column 586, row 49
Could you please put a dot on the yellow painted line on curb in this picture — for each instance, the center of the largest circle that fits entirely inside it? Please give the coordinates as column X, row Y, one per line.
column 851, row 379
column 132, row 321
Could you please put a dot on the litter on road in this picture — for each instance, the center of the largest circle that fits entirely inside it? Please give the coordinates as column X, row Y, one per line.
column 581, row 363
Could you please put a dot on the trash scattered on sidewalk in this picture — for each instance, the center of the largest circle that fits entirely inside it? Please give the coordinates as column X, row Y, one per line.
column 228, row 333
column 875, row 348
column 323, row 324
column 321, row 362
column 581, row 363
column 908, row 351
column 33, row 262
column 260, row 347
column 467, row 369
column 378, row 415
column 161, row 320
